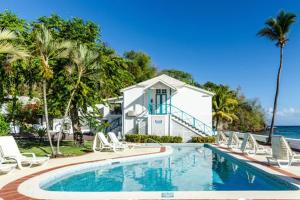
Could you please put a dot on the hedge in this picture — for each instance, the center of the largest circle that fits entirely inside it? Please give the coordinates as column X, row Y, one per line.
column 137, row 138
column 199, row 139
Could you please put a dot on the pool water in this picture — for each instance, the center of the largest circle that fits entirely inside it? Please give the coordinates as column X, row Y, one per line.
column 188, row 168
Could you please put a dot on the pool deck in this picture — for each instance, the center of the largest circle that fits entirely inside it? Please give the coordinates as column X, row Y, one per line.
column 12, row 185
column 9, row 183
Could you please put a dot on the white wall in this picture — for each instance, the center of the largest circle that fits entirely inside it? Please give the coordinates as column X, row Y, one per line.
column 195, row 103
column 134, row 100
column 191, row 101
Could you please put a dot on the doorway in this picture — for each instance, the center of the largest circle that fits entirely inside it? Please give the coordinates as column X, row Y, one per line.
column 161, row 101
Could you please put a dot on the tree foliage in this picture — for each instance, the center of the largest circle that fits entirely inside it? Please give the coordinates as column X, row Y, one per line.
column 65, row 62
column 231, row 110
column 140, row 65
column 180, row 75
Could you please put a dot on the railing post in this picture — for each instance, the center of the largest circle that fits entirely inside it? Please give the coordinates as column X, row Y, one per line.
column 194, row 122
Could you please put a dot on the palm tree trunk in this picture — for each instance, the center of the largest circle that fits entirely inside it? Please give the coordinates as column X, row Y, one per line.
column 75, row 121
column 276, row 97
column 66, row 112
column 46, row 115
column 63, row 121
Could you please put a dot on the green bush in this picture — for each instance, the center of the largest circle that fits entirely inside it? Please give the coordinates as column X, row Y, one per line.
column 199, row 139
column 137, row 138
column 4, row 126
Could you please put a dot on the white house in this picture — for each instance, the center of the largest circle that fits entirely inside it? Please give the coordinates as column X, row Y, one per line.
column 166, row 106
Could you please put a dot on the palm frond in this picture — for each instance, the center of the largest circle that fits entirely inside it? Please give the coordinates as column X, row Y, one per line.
column 268, row 33
column 276, row 29
column 7, row 35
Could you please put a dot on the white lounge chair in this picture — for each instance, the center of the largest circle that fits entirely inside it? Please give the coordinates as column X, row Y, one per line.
column 6, row 166
column 251, row 147
column 119, row 145
column 221, row 138
column 101, row 143
column 233, row 141
column 9, row 150
column 282, row 153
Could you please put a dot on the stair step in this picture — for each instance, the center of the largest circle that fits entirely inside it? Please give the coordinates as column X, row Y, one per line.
column 189, row 125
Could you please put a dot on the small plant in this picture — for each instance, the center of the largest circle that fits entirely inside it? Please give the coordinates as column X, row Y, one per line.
column 4, row 126
column 137, row 138
column 199, row 139
column 41, row 132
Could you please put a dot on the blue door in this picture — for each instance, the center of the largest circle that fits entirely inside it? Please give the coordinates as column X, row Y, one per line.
column 161, row 104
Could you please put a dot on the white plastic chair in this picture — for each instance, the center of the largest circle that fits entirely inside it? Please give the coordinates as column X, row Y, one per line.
column 221, row 138
column 9, row 150
column 282, row 153
column 101, row 143
column 113, row 138
column 251, row 147
column 6, row 166
column 233, row 141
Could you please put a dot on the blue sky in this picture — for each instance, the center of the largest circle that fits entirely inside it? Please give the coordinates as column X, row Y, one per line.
column 213, row 40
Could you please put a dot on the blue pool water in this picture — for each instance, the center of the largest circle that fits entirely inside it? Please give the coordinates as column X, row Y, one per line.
column 188, row 168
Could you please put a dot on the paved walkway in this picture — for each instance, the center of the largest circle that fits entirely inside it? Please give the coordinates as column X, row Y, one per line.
column 291, row 171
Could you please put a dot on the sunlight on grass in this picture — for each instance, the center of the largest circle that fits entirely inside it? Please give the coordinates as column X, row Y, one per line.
column 43, row 149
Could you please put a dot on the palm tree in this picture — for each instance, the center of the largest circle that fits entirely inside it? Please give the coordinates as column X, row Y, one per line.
column 84, row 61
column 276, row 29
column 6, row 37
column 48, row 49
column 224, row 105
column 14, row 53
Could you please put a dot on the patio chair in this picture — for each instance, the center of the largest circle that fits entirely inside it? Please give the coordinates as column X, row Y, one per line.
column 282, row 153
column 101, row 143
column 6, row 166
column 9, row 150
column 221, row 138
column 233, row 141
column 251, row 147
column 119, row 145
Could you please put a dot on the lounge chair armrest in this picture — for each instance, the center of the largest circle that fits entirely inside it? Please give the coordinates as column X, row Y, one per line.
column 32, row 154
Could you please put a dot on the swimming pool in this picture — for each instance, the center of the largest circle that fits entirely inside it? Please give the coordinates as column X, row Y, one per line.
column 188, row 168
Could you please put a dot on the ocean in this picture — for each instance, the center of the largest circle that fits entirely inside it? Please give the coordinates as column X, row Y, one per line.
column 287, row 131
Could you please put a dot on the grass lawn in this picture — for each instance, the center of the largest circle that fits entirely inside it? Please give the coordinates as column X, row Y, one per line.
column 67, row 148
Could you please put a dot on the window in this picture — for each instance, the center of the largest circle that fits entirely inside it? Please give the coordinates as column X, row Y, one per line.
column 116, row 109
column 161, row 91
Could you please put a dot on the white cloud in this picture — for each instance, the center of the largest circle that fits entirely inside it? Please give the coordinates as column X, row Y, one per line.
column 285, row 116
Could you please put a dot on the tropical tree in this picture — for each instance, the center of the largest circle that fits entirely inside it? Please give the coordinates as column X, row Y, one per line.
column 83, row 62
column 250, row 113
column 14, row 55
column 140, row 65
column 48, row 50
column 277, row 29
column 180, row 75
column 224, row 104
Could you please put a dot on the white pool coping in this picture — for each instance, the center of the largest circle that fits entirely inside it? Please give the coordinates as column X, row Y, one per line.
column 31, row 187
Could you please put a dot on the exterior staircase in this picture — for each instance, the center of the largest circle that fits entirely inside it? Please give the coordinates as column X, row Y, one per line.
column 190, row 122
column 183, row 118
column 115, row 126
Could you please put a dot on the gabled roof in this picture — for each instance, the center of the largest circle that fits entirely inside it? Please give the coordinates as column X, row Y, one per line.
column 166, row 80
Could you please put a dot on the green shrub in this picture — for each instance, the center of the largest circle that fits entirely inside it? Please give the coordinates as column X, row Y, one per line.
column 4, row 126
column 137, row 138
column 199, row 139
